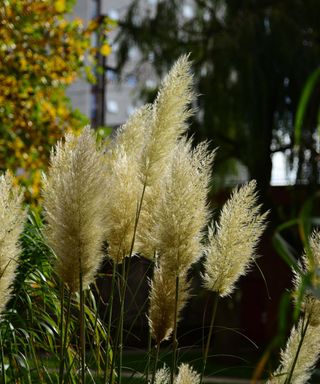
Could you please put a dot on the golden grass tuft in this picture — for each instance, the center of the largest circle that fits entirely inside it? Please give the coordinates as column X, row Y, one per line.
column 309, row 267
column 232, row 241
column 183, row 212
column 12, row 216
column 307, row 354
column 74, row 198
column 170, row 113
column 162, row 303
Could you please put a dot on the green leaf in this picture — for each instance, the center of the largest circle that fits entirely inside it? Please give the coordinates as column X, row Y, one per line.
column 303, row 103
column 285, row 250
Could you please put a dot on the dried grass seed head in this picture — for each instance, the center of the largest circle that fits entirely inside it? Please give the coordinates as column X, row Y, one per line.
column 12, row 216
column 184, row 211
column 162, row 299
column 124, row 195
column 307, row 357
column 170, row 113
column 130, row 138
column 162, row 376
column 187, row 375
column 309, row 268
column 232, row 242
column 125, row 188
column 74, row 196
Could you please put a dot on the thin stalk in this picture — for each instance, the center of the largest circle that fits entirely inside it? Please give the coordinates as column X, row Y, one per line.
column 3, row 372
column 149, row 347
column 156, row 359
column 82, row 331
column 12, row 364
column 115, row 346
column 175, row 329
column 64, row 336
column 124, row 275
column 110, row 306
column 123, row 294
column 139, row 207
column 133, row 301
column 304, row 331
column 206, row 352
column 61, row 318
column 35, row 358
column 117, row 352
column 149, row 355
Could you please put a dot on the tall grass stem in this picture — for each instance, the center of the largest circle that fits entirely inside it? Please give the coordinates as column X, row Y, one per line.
column 175, row 331
column 149, row 355
column 64, row 334
column 156, row 359
column 82, row 330
column 3, row 371
column 110, row 311
column 206, row 351
column 303, row 333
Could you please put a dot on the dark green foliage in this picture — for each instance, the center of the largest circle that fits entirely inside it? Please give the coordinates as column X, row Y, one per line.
column 251, row 60
column 30, row 328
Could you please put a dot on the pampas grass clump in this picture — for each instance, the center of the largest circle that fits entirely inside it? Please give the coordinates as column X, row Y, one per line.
column 146, row 194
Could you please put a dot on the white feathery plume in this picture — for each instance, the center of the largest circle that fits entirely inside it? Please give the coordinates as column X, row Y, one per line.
column 310, row 266
column 304, row 340
column 120, row 215
column 187, row 375
column 125, row 189
column 233, row 241
column 162, row 299
column 12, row 216
column 130, row 138
column 74, row 197
column 170, row 113
column 183, row 212
column 162, row 376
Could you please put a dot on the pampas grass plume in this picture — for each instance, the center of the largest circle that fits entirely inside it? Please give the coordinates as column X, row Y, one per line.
column 170, row 113
column 130, row 138
column 307, row 358
column 184, row 212
column 124, row 192
column 310, row 265
column 12, row 216
column 125, row 188
column 162, row 303
column 162, row 376
column 74, row 196
column 232, row 243
column 186, row 375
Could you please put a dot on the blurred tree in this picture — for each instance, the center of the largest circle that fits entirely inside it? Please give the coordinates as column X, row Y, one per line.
column 40, row 54
column 251, row 60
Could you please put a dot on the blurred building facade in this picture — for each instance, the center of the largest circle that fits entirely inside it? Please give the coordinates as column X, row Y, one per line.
column 112, row 100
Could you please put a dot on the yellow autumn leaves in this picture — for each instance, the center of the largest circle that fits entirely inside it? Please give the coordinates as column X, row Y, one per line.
column 41, row 52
